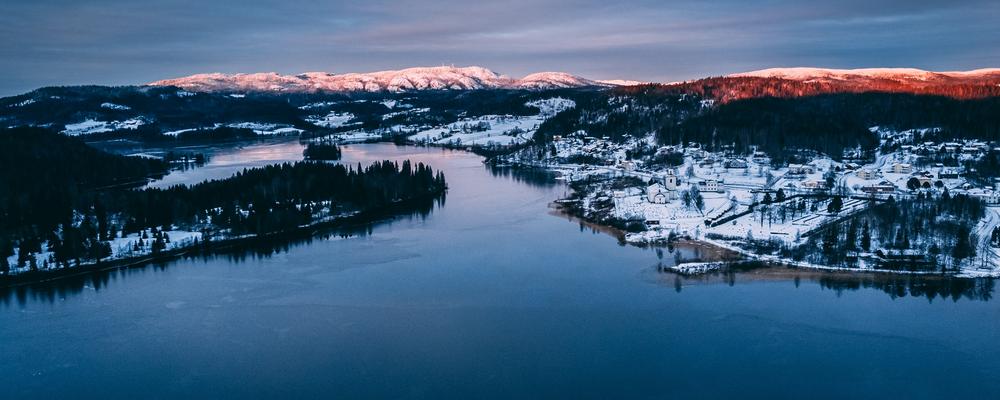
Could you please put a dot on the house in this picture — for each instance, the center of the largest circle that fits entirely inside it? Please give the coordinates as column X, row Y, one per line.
column 879, row 188
column 971, row 150
column 709, row 185
column 735, row 163
column 813, row 184
column 800, row 169
column 902, row 168
column 867, row 174
column 948, row 173
column 662, row 151
column 906, row 258
column 657, row 194
column 990, row 197
column 695, row 153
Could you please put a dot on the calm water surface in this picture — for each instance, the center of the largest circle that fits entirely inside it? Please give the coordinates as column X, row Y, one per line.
column 489, row 296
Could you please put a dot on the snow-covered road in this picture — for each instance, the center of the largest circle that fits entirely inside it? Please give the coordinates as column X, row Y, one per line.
column 984, row 232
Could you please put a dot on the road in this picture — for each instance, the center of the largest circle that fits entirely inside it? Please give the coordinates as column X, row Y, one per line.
column 983, row 231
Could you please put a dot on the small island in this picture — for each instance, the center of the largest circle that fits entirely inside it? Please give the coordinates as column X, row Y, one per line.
column 322, row 151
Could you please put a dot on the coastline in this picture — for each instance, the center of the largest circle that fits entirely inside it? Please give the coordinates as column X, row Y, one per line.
column 219, row 245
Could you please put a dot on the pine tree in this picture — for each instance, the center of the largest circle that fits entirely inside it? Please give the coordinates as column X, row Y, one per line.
column 852, row 235
column 835, row 205
column 866, row 237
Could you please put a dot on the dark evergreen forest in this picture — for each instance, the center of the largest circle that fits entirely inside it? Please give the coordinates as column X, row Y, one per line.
column 58, row 191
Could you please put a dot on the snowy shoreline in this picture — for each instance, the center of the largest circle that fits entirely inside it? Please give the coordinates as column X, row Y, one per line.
column 215, row 244
column 657, row 237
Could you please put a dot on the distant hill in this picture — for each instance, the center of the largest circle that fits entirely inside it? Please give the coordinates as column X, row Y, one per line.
column 800, row 82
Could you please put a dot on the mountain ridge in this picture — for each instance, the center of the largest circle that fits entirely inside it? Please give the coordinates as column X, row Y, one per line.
column 807, row 81
column 417, row 78
column 815, row 73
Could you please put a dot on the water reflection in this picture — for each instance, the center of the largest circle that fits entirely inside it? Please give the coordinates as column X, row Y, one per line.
column 897, row 286
column 931, row 287
column 532, row 176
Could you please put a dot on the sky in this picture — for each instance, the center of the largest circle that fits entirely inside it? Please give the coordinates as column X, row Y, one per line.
column 119, row 42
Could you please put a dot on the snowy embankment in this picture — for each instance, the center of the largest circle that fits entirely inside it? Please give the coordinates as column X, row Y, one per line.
column 131, row 246
column 694, row 268
column 261, row 128
column 964, row 273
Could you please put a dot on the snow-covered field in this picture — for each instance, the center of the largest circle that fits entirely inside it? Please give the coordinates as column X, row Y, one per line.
column 113, row 106
column 502, row 130
column 90, row 126
column 331, row 120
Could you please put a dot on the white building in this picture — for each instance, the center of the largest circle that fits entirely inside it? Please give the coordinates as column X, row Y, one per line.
column 800, row 169
column 657, row 194
column 991, row 197
column 814, row 184
column 867, row 174
column 709, row 185
column 902, row 168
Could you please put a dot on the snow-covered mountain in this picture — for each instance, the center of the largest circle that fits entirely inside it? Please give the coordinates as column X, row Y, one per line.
column 897, row 74
column 449, row 78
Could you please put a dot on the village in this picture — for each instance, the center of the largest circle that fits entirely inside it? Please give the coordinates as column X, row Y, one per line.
column 658, row 193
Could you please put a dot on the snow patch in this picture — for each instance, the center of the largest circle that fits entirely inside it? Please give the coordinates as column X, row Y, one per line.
column 90, row 126
column 113, row 106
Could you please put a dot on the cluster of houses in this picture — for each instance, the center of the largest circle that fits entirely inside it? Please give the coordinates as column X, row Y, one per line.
column 664, row 187
column 966, row 147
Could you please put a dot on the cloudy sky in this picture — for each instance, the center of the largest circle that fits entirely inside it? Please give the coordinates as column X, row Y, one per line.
column 58, row 42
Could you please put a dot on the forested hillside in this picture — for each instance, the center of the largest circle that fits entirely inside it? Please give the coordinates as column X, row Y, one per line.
column 826, row 123
column 731, row 88
column 66, row 202
column 43, row 175
column 831, row 123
